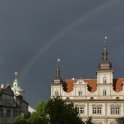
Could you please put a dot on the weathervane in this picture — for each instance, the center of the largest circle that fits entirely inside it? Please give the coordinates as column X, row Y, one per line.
column 58, row 61
column 105, row 42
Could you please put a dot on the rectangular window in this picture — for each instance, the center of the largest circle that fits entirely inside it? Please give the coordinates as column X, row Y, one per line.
column 97, row 110
column 80, row 109
column 80, row 93
column 115, row 110
column 94, row 110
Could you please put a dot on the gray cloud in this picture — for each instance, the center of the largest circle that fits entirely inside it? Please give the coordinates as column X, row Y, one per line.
column 34, row 33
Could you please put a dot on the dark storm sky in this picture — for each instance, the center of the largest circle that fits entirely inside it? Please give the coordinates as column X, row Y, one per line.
column 34, row 33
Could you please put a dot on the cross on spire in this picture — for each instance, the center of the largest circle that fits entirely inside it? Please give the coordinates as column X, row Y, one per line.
column 105, row 54
column 58, row 69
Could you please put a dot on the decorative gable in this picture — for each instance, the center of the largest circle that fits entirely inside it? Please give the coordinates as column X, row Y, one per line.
column 80, row 82
column 68, row 85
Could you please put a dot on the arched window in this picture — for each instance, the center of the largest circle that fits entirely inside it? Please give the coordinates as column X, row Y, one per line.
column 80, row 93
column 56, row 93
column 104, row 92
column 104, row 80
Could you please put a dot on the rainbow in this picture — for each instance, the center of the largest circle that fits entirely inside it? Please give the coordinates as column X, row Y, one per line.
column 71, row 26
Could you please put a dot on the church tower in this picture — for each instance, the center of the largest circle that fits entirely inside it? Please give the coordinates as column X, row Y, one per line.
column 105, row 75
column 18, row 91
column 105, row 71
column 56, row 86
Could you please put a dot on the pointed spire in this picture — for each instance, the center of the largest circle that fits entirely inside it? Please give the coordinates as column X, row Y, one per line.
column 105, row 64
column 105, row 54
column 16, row 86
column 58, row 69
column 105, row 42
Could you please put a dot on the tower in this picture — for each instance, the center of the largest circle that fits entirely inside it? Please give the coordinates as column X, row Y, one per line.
column 105, row 71
column 105, row 75
column 56, row 86
column 18, row 91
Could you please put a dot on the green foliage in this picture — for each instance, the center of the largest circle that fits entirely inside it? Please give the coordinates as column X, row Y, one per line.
column 61, row 113
column 20, row 120
column 39, row 117
column 89, row 121
column 55, row 111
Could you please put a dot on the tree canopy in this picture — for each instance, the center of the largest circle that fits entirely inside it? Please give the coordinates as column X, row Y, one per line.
column 62, row 113
column 55, row 111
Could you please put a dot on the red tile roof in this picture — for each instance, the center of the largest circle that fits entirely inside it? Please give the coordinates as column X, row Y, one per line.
column 117, row 84
column 69, row 84
column 92, row 84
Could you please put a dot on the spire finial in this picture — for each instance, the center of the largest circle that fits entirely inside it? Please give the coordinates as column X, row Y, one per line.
column 105, row 42
column 16, row 75
column 105, row 52
column 58, row 60
column 58, row 68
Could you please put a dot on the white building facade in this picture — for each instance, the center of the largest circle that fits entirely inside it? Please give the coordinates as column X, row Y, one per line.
column 102, row 98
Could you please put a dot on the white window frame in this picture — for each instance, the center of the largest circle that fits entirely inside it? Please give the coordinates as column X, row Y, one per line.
column 97, row 109
column 81, row 109
column 115, row 110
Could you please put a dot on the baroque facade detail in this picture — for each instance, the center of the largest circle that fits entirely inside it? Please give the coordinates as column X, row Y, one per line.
column 102, row 98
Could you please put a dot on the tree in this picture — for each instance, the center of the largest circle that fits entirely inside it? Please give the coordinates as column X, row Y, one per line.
column 89, row 120
column 62, row 113
column 39, row 117
column 20, row 120
column 55, row 111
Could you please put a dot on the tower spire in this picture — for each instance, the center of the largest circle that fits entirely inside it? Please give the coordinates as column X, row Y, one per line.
column 16, row 75
column 105, row 64
column 105, row 42
column 58, row 69
column 105, row 52
column 16, row 86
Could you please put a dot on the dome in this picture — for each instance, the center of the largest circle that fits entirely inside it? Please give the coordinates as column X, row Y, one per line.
column 105, row 65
